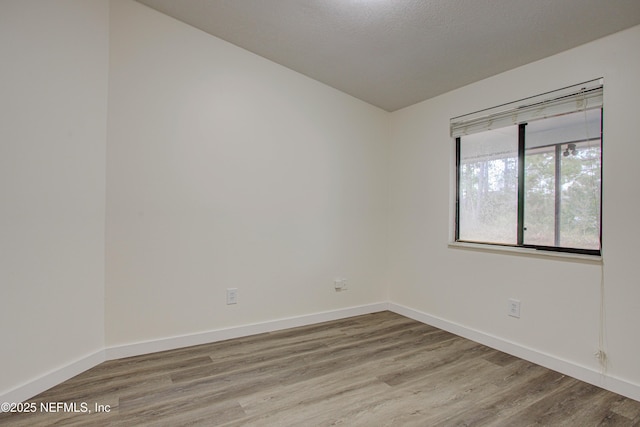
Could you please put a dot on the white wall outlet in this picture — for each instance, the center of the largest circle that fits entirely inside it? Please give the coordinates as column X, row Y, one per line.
column 340, row 284
column 232, row 296
column 514, row 308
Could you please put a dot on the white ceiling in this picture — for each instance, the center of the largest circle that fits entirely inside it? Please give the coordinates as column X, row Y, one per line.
column 394, row 53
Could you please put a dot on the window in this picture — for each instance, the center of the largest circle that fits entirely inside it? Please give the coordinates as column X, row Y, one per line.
column 529, row 174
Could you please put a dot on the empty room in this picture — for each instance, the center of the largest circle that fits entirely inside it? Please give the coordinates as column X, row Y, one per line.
column 319, row 212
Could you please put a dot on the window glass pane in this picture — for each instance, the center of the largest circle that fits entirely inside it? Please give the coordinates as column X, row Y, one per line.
column 580, row 200
column 539, row 196
column 488, row 186
column 562, row 181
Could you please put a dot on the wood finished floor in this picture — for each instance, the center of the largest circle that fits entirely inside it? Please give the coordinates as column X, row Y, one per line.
column 379, row 369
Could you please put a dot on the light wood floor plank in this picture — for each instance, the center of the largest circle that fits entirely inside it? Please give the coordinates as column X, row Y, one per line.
column 380, row 369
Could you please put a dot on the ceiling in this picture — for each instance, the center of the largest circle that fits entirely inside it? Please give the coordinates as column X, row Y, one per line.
column 395, row 53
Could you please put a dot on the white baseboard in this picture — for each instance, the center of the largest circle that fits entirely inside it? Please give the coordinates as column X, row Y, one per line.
column 55, row 377
column 571, row 369
column 50, row 379
column 136, row 349
column 586, row 374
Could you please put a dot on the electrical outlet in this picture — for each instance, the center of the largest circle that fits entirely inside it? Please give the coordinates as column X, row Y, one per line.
column 232, row 296
column 514, row 308
column 340, row 284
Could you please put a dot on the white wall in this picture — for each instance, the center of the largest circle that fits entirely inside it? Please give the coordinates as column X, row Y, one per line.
column 227, row 170
column 53, row 106
column 560, row 299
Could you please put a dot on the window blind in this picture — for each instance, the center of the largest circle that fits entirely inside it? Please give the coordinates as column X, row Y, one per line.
column 581, row 97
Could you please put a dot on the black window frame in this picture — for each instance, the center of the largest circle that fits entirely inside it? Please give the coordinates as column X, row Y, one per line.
column 521, row 203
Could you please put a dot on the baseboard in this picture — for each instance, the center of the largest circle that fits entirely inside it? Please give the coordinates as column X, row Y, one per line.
column 586, row 374
column 52, row 378
column 571, row 369
column 55, row 377
column 146, row 347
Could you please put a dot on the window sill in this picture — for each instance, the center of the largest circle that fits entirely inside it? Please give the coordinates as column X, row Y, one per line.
column 527, row 252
